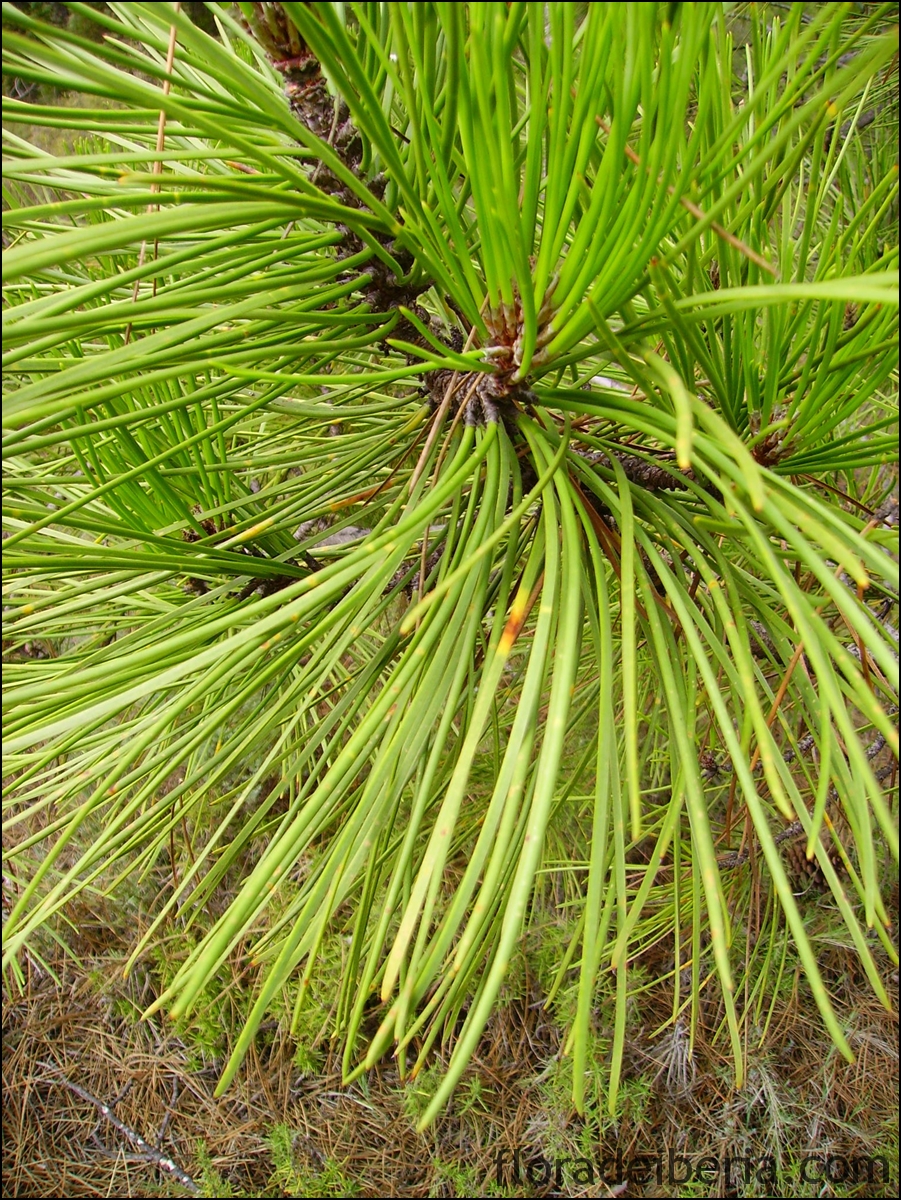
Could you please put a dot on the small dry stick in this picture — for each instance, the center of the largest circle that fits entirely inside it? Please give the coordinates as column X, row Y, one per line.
column 780, row 694
column 453, row 384
column 154, row 1156
column 157, row 167
column 691, row 207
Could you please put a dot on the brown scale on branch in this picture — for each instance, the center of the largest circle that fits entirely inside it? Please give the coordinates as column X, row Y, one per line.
column 887, row 513
column 835, row 830
column 762, row 644
column 305, row 86
column 774, row 445
column 329, row 119
column 262, row 586
column 803, row 872
column 497, row 394
column 653, row 476
column 479, row 398
column 409, row 577
column 199, row 586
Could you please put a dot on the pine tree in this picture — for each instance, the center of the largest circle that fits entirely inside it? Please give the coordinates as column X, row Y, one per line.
column 445, row 476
